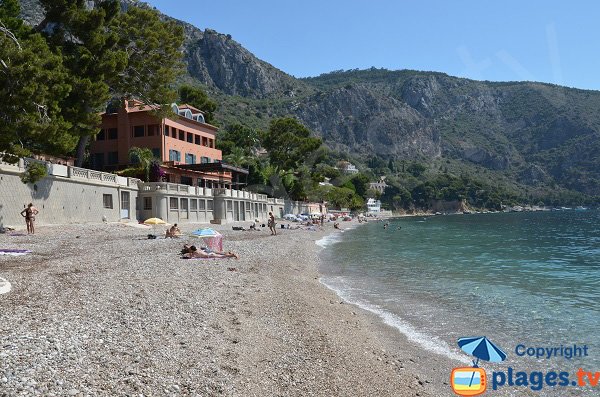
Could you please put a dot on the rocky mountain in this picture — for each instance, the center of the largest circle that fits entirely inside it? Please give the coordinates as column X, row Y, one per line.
column 221, row 63
column 531, row 133
column 534, row 134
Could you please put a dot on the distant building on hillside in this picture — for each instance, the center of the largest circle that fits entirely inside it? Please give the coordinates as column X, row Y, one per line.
column 183, row 141
column 346, row 167
column 379, row 186
column 326, row 182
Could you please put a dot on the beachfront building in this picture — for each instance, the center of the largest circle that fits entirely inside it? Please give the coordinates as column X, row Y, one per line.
column 183, row 141
column 373, row 206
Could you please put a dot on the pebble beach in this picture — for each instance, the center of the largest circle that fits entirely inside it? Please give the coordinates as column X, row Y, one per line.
column 100, row 310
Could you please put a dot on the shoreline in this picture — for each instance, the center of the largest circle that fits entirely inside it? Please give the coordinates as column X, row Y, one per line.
column 97, row 309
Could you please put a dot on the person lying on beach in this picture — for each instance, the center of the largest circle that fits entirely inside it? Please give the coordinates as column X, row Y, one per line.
column 195, row 253
column 336, row 225
column 173, row 231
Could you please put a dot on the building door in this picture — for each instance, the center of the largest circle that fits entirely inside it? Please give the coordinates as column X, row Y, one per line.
column 183, row 208
column 125, row 205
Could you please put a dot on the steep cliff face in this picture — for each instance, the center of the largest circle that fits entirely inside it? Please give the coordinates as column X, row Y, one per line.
column 220, row 62
column 361, row 120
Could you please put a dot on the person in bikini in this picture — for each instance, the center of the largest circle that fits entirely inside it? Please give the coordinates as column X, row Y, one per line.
column 29, row 214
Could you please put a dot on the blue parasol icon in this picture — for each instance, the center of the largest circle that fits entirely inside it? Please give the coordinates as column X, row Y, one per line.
column 482, row 348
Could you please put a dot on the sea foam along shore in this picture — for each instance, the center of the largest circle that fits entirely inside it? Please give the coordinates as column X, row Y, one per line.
column 418, row 337
column 101, row 310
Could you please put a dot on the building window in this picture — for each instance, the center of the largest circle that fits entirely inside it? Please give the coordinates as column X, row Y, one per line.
column 113, row 158
column 100, row 136
column 98, row 160
column 156, row 152
column 181, row 135
column 186, row 180
column 209, row 204
column 166, row 130
column 113, row 133
column 190, row 137
column 197, row 139
column 211, row 143
column 173, row 203
column 201, row 205
column 138, row 131
column 174, row 155
column 147, row 203
column 193, row 205
column 229, row 205
column 173, row 132
column 152, row 129
column 205, row 160
column 190, row 158
column 184, row 204
column 204, row 141
column 107, row 201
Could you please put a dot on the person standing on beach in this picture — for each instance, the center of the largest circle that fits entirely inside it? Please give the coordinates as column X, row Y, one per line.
column 272, row 224
column 29, row 214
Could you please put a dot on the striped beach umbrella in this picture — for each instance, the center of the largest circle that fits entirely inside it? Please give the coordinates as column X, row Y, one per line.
column 482, row 348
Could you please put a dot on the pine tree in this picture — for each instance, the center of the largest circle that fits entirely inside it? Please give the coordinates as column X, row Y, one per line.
column 33, row 82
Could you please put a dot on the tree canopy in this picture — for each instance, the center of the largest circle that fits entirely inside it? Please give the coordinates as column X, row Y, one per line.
column 33, row 83
column 59, row 75
column 289, row 143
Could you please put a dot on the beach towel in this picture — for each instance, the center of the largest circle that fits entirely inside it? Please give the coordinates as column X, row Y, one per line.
column 17, row 234
column 13, row 252
column 4, row 286
column 192, row 259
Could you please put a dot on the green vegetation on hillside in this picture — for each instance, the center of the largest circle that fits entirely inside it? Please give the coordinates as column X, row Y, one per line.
column 57, row 77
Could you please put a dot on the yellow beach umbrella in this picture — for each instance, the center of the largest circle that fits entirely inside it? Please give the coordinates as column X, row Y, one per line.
column 154, row 221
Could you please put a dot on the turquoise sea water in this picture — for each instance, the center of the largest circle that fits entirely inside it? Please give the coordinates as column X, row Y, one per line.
column 517, row 278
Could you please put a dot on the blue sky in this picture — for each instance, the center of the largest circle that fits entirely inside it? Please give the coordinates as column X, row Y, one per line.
column 550, row 41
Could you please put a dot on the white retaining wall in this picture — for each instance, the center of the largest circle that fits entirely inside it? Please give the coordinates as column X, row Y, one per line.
column 66, row 195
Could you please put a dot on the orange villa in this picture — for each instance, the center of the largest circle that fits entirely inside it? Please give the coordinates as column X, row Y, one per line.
column 184, row 143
